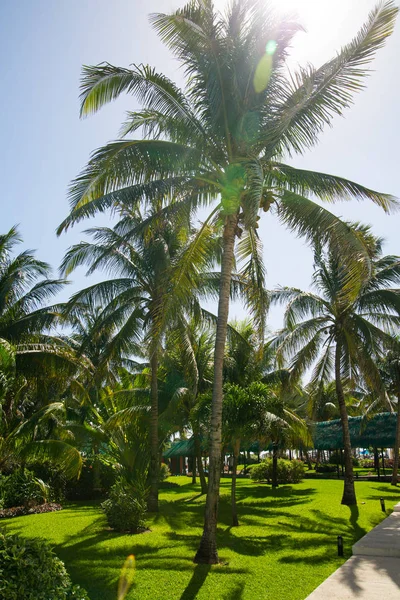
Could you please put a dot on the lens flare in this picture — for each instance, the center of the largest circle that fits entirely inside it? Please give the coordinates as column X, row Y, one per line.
column 271, row 47
column 126, row 578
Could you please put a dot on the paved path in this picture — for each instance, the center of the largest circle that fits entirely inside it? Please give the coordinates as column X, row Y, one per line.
column 373, row 572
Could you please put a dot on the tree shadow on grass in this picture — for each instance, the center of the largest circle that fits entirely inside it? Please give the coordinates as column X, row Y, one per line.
column 324, row 530
column 198, row 578
column 236, row 593
column 358, row 531
column 267, row 492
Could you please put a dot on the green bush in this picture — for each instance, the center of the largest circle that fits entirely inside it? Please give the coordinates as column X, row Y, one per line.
column 29, row 570
column 164, row 472
column 125, row 508
column 289, row 471
column 22, row 488
column 326, row 468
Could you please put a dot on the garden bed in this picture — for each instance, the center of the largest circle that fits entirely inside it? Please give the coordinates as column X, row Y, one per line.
column 19, row 511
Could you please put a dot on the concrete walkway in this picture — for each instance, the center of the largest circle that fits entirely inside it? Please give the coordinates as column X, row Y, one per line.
column 373, row 572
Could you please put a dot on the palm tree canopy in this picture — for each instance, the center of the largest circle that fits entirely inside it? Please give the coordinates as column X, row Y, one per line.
column 363, row 327
column 24, row 288
column 223, row 136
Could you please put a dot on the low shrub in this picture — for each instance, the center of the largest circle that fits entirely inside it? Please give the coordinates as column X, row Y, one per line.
column 22, row 488
column 164, row 472
column 326, row 468
column 289, row 471
column 29, row 570
column 125, row 507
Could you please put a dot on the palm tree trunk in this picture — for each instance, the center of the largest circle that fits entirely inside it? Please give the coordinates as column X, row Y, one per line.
column 349, row 492
column 275, row 466
column 236, row 449
column 397, row 443
column 202, row 476
column 194, row 468
column 207, row 552
column 152, row 502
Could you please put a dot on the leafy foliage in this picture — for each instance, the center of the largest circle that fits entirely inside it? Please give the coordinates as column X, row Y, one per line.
column 289, row 471
column 22, row 488
column 125, row 508
column 30, row 570
column 164, row 472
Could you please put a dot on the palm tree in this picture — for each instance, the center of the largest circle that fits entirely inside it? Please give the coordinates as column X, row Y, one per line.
column 390, row 373
column 188, row 366
column 240, row 416
column 221, row 141
column 24, row 287
column 247, row 357
column 342, row 336
column 150, row 289
column 322, row 402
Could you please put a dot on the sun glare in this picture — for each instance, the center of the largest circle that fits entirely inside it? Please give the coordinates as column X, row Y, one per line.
column 328, row 25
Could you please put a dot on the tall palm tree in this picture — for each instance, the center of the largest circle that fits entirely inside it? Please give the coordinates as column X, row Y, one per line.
column 390, row 373
column 152, row 269
column 30, row 355
column 342, row 337
column 221, row 141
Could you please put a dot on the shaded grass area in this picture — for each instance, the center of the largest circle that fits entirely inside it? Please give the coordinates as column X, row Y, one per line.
column 285, row 545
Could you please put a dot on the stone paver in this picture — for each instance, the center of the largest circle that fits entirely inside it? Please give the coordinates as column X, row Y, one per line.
column 373, row 572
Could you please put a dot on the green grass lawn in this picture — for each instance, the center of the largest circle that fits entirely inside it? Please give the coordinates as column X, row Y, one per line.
column 284, row 547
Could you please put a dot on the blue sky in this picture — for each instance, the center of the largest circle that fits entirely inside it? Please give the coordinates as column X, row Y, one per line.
column 44, row 44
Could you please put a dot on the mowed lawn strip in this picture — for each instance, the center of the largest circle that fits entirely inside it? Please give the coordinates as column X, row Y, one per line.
column 284, row 547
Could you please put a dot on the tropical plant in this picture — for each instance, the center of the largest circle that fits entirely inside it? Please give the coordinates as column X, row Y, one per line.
column 242, row 415
column 339, row 335
column 322, row 403
column 24, row 287
column 390, row 374
column 29, row 569
column 22, row 488
column 252, row 414
column 281, row 426
column 188, row 367
column 221, row 140
column 125, row 507
column 288, row 471
column 156, row 272
column 247, row 357
column 35, row 366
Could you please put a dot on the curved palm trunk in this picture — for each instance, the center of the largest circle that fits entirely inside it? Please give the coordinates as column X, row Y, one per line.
column 200, row 467
column 349, row 492
column 275, row 466
column 207, row 552
column 236, row 449
column 152, row 502
column 397, row 443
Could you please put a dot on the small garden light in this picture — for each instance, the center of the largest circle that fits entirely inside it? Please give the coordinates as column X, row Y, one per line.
column 383, row 507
